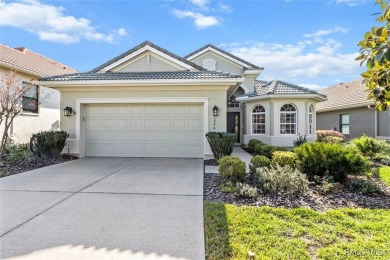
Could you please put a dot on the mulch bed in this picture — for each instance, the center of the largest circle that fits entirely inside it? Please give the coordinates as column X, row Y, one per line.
column 31, row 163
column 312, row 198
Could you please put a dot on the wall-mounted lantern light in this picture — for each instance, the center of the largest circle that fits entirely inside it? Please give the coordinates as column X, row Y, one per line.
column 215, row 111
column 68, row 111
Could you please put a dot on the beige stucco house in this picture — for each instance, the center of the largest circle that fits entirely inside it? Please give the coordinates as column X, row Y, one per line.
column 149, row 102
column 349, row 111
column 41, row 106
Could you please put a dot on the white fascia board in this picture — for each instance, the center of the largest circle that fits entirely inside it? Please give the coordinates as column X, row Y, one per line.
column 143, row 49
column 275, row 96
column 22, row 70
column 252, row 72
column 344, row 107
column 219, row 53
column 98, row 83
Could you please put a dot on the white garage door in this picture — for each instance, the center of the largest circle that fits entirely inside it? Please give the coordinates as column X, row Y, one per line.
column 144, row 130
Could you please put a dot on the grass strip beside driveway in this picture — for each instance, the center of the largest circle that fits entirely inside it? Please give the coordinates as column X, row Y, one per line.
column 278, row 233
column 384, row 174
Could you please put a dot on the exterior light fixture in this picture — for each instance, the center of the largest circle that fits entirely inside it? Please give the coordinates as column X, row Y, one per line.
column 68, row 111
column 215, row 111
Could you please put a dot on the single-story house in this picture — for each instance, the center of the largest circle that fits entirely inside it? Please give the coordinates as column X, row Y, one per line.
column 349, row 111
column 149, row 102
column 41, row 105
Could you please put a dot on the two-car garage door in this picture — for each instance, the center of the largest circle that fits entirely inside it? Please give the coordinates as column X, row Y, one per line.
column 144, row 130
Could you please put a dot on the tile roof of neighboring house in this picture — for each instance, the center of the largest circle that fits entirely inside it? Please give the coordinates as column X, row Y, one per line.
column 250, row 65
column 162, row 75
column 143, row 44
column 344, row 95
column 279, row 87
column 27, row 61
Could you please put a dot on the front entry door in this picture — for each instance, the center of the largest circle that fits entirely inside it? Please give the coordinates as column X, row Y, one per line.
column 233, row 124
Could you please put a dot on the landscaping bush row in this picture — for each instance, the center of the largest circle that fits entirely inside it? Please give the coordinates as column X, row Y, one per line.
column 47, row 144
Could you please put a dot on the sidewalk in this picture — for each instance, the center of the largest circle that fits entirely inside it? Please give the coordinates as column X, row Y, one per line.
column 237, row 151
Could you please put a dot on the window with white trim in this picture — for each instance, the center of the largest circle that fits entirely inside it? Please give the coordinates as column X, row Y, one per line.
column 258, row 120
column 288, row 119
column 30, row 98
column 311, row 109
column 344, row 124
column 232, row 102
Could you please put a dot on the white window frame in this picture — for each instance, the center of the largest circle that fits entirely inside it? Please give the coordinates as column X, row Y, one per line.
column 253, row 124
column 311, row 119
column 289, row 112
column 342, row 124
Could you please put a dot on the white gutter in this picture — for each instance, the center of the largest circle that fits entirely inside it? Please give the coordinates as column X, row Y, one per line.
column 270, row 96
column 100, row 83
column 322, row 110
column 22, row 70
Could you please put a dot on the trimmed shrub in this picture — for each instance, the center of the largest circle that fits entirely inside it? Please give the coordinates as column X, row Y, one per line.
column 322, row 136
column 370, row 146
column 246, row 191
column 332, row 140
column 300, row 140
column 227, row 186
column 232, row 169
column 267, row 150
column 252, row 143
column 365, row 187
column 281, row 180
column 326, row 184
column 221, row 143
column 16, row 153
column 320, row 159
column 285, row 158
column 259, row 161
column 48, row 143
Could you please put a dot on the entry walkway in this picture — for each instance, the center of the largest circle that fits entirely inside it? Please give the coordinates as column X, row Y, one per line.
column 237, row 151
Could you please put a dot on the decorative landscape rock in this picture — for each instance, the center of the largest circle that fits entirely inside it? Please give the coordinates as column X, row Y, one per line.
column 312, row 198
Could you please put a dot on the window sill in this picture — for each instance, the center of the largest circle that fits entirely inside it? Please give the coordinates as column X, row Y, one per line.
column 29, row 114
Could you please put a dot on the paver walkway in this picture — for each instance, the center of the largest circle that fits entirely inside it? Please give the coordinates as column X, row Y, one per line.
column 104, row 208
column 237, row 151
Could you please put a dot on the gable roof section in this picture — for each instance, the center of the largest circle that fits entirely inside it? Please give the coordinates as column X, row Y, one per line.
column 29, row 62
column 147, row 77
column 210, row 47
column 146, row 45
column 277, row 88
column 344, row 96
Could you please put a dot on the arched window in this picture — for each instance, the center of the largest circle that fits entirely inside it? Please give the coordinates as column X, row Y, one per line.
column 232, row 102
column 288, row 119
column 311, row 109
column 258, row 120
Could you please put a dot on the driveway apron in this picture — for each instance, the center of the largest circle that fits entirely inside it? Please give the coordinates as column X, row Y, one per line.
column 104, row 208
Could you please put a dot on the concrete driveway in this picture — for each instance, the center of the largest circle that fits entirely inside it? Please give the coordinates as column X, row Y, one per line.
column 104, row 208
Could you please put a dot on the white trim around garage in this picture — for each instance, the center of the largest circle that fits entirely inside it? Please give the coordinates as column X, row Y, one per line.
column 79, row 147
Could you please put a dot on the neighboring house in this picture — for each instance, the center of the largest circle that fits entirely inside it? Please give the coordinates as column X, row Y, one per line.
column 349, row 111
column 149, row 102
column 41, row 105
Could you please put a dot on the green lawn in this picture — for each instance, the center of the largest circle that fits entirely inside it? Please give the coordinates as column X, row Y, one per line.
column 384, row 174
column 276, row 233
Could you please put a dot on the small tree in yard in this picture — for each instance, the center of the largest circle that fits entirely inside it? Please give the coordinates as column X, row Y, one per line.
column 12, row 91
column 375, row 52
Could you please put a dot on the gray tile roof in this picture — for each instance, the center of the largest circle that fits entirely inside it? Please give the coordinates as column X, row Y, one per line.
column 344, row 95
column 249, row 65
column 162, row 75
column 143, row 44
column 278, row 87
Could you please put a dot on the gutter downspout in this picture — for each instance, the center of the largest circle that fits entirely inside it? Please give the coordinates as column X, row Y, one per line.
column 376, row 120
